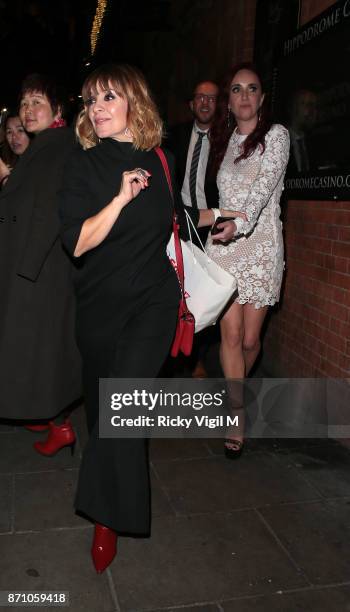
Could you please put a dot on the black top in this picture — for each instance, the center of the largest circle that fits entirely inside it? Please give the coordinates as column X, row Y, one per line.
column 132, row 258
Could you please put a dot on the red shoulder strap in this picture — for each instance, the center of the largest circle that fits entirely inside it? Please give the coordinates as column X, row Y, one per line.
column 178, row 251
column 164, row 161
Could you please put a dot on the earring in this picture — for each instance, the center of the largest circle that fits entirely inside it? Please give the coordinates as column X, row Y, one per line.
column 127, row 132
column 228, row 117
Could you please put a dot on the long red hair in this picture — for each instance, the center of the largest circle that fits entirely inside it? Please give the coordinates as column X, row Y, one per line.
column 221, row 129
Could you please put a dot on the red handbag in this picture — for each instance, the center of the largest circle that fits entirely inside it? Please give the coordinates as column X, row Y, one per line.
column 183, row 340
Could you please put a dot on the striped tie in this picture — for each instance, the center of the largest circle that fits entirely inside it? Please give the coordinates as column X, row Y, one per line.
column 194, row 168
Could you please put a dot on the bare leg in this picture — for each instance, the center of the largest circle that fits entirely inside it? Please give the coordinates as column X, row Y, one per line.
column 232, row 334
column 240, row 345
column 253, row 321
column 232, row 362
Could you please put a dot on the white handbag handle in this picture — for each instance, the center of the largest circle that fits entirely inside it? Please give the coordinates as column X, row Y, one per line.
column 189, row 221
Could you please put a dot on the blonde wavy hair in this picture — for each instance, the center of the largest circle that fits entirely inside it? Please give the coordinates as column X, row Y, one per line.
column 143, row 119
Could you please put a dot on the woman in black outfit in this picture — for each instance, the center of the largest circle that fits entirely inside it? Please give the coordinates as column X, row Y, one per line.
column 40, row 366
column 16, row 142
column 117, row 211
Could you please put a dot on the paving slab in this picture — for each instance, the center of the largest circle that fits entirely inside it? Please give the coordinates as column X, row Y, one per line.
column 55, row 561
column 190, row 560
column 208, row 552
column 326, row 468
column 274, row 445
column 45, row 500
column 6, row 485
column 159, row 500
column 317, row 536
column 174, row 448
column 17, row 454
column 215, row 484
column 311, row 600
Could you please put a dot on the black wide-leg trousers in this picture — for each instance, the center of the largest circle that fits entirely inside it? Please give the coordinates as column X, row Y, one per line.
column 113, row 487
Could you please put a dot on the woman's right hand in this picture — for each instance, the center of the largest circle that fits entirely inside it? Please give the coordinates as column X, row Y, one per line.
column 133, row 182
column 227, row 229
column 95, row 229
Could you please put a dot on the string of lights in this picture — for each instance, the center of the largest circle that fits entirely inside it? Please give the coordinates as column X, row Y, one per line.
column 95, row 30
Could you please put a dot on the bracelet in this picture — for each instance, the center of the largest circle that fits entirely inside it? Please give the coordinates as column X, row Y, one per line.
column 217, row 213
column 238, row 223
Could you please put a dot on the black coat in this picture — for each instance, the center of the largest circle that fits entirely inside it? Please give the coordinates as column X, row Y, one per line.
column 39, row 360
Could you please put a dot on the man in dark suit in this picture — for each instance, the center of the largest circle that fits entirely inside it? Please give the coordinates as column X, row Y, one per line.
column 189, row 142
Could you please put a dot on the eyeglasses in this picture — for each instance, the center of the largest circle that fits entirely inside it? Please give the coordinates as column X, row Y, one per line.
column 204, row 98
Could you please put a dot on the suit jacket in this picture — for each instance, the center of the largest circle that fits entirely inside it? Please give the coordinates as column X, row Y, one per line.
column 178, row 142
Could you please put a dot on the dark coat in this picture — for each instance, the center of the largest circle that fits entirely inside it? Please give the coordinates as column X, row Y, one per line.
column 39, row 360
column 178, row 142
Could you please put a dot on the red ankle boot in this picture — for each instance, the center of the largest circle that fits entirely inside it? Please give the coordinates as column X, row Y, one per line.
column 43, row 427
column 104, row 547
column 59, row 436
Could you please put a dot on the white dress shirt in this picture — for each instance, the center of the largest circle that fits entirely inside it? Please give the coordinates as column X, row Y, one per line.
column 202, row 167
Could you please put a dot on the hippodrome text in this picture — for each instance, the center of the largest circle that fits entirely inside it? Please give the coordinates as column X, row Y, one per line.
column 315, row 29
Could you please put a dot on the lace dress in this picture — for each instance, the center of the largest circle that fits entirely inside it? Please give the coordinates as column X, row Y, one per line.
column 254, row 186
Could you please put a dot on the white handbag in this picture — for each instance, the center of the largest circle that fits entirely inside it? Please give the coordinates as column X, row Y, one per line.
column 208, row 287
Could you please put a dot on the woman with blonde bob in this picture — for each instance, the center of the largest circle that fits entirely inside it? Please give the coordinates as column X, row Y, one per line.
column 116, row 211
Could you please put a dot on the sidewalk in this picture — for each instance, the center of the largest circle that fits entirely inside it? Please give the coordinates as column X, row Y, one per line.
column 270, row 532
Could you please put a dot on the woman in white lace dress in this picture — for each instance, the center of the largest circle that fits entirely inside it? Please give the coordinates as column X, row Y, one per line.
column 250, row 156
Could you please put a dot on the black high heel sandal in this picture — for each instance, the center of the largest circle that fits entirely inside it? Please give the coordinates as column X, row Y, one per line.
column 236, row 448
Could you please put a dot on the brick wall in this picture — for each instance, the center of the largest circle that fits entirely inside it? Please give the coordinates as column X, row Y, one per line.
column 309, row 335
